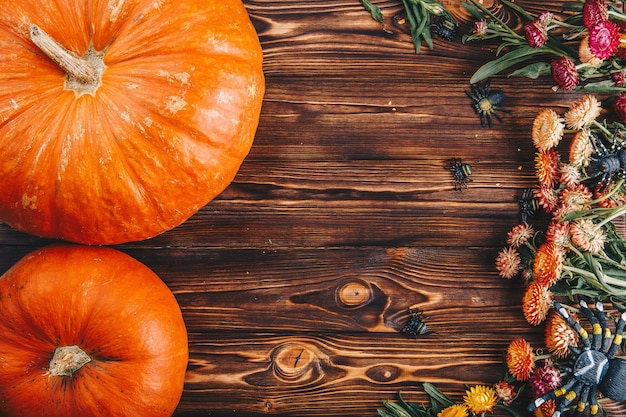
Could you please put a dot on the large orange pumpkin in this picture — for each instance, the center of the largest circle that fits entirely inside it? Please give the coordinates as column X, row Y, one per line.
column 88, row 331
column 138, row 113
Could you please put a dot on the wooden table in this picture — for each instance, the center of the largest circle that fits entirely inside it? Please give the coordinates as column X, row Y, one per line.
column 295, row 281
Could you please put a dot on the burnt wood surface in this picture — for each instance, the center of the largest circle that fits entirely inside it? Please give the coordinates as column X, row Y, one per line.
column 295, row 281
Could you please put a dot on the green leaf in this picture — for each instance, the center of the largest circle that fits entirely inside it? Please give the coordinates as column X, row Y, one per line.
column 533, row 71
column 374, row 11
column 505, row 61
column 396, row 409
column 437, row 395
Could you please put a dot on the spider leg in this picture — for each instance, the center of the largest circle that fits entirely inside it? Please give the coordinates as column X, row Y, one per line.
column 583, row 401
column 593, row 402
column 574, row 324
column 617, row 340
column 569, row 396
column 597, row 327
column 606, row 337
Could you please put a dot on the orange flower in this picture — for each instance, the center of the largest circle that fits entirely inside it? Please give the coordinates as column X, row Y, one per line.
column 546, row 409
column 505, row 392
column 559, row 336
column 547, row 129
column 548, row 264
column 587, row 235
column 581, row 148
column 480, row 399
column 536, row 303
column 582, row 113
column 520, row 359
column 520, row 234
column 456, row 410
column 508, row 262
column 547, row 167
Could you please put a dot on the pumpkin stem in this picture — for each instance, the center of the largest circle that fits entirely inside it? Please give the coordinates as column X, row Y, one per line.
column 84, row 74
column 67, row 360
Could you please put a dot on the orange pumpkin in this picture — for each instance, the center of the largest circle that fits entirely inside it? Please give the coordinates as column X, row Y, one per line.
column 121, row 119
column 88, row 331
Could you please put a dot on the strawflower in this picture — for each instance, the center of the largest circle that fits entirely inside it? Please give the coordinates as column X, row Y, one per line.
column 455, row 410
column 508, row 262
column 505, row 391
column 480, row 399
column 604, row 39
column 581, row 148
column 547, row 165
column 583, row 112
column 559, row 336
column 564, row 73
column 544, row 379
column 587, row 235
column 520, row 234
column 547, row 266
column 520, row 359
column 547, row 129
column 536, row 303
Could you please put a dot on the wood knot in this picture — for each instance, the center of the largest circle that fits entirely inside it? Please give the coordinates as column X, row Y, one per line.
column 353, row 294
column 293, row 361
column 383, row 373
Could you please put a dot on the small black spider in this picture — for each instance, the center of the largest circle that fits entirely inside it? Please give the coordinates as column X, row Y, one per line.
column 415, row 325
column 461, row 173
column 528, row 205
column 608, row 164
column 444, row 28
column 593, row 368
column 486, row 102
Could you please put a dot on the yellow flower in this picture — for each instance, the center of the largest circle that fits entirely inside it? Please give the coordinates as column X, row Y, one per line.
column 583, row 112
column 520, row 359
column 480, row 399
column 456, row 410
column 547, row 129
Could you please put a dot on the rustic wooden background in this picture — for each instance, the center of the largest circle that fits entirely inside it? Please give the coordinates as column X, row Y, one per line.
column 295, row 281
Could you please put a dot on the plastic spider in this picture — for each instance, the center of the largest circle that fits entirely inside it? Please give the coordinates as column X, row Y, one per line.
column 415, row 325
column 593, row 367
column 486, row 102
column 445, row 28
column 608, row 163
column 528, row 204
column 461, row 173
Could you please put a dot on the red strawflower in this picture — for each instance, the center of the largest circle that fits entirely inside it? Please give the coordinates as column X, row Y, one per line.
column 544, row 379
column 564, row 73
column 536, row 34
column 604, row 39
column 594, row 11
column 619, row 107
column 618, row 77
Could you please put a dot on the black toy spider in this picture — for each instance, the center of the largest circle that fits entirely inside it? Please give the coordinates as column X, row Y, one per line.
column 415, row 325
column 445, row 28
column 486, row 102
column 593, row 367
column 528, row 204
column 461, row 173
column 610, row 163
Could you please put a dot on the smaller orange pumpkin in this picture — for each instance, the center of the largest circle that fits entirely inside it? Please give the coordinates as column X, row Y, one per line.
column 89, row 331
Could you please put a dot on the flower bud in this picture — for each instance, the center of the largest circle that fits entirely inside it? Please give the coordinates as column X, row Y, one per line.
column 564, row 73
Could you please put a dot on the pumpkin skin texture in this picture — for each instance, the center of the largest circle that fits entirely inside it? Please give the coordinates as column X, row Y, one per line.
column 162, row 132
column 113, row 308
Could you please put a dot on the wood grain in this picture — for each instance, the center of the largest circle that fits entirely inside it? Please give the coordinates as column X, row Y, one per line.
column 295, row 281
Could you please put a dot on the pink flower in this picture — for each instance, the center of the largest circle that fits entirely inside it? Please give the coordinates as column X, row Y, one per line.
column 544, row 379
column 564, row 73
column 604, row 39
column 594, row 11
column 536, row 34
column 480, row 28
